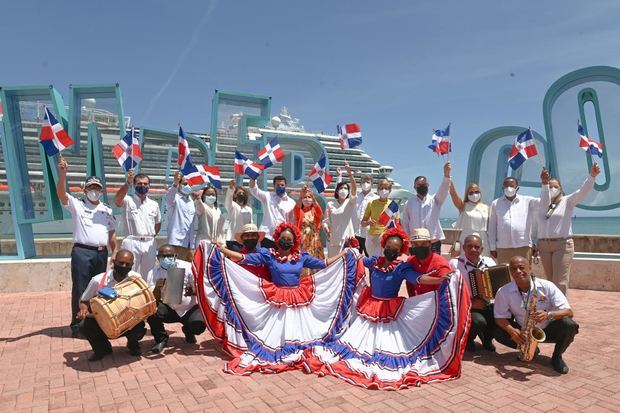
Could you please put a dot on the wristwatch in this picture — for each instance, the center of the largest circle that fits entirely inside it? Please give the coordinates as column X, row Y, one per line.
column 549, row 316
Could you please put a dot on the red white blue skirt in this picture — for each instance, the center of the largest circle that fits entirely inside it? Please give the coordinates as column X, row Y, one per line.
column 267, row 328
column 397, row 343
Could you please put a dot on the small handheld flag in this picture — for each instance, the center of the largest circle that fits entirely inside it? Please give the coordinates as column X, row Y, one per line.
column 271, row 153
column 351, row 136
column 127, row 151
column 388, row 214
column 244, row 166
column 199, row 174
column 183, row 149
column 319, row 176
column 587, row 144
column 440, row 141
column 523, row 149
column 54, row 137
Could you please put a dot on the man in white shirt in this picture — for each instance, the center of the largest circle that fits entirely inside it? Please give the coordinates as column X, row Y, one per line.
column 180, row 210
column 186, row 312
column 422, row 210
column 553, row 313
column 366, row 196
column 94, row 230
column 277, row 208
column 141, row 219
column 121, row 269
column 469, row 263
column 510, row 223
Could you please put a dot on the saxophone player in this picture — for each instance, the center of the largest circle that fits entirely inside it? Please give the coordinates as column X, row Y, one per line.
column 552, row 313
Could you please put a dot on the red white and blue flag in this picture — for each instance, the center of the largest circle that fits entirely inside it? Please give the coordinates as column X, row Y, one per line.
column 319, row 175
column 523, row 149
column 198, row 175
column 351, row 136
column 440, row 141
column 54, row 137
column 244, row 166
column 127, row 151
column 387, row 216
column 183, row 149
column 587, row 144
column 271, row 153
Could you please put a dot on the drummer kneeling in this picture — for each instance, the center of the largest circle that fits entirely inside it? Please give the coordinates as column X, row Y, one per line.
column 122, row 263
column 174, row 283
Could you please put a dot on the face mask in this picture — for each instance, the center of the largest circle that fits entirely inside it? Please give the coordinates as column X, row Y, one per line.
column 121, row 271
column 242, row 198
column 553, row 192
column 473, row 197
column 390, row 254
column 343, row 193
column 307, row 202
column 280, row 191
column 185, row 189
column 250, row 243
column 142, row 190
column 285, row 244
column 421, row 252
column 510, row 191
column 383, row 193
column 210, row 200
column 93, row 195
column 167, row 262
column 422, row 190
column 366, row 186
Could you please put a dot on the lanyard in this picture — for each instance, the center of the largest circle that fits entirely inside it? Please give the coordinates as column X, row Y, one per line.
column 526, row 302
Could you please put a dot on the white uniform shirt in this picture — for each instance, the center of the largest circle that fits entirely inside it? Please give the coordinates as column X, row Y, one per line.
column 180, row 212
column 510, row 222
column 338, row 218
column 510, row 302
column 276, row 209
column 210, row 223
column 187, row 302
column 362, row 202
column 464, row 266
column 139, row 218
column 424, row 213
column 559, row 224
column 238, row 215
column 92, row 223
column 96, row 283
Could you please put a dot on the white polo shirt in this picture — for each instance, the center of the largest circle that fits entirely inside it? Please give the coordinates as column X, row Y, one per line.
column 180, row 211
column 510, row 222
column 97, row 283
column 139, row 218
column 510, row 302
column 187, row 302
column 276, row 209
column 92, row 223
column 424, row 213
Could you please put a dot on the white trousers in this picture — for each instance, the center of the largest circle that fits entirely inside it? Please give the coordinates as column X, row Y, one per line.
column 144, row 254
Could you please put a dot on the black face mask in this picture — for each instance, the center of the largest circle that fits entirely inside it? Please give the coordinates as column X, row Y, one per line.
column 242, row 198
column 422, row 190
column 390, row 254
column 420, row 252
column 250, row 243
column 121, row 271
column 285, row 244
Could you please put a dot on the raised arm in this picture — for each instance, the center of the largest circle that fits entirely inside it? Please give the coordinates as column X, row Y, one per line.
column 61, row 185
column 256, row 192
column 456, row 199
column 351, row 178
column 228, row 200
column 122, row 191
column 580, row 194
column 444, row 188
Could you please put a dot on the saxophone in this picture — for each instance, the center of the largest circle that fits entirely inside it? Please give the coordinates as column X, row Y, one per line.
column 533, row 335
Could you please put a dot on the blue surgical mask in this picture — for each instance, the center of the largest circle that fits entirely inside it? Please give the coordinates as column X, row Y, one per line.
column 186, row 189
column 167, row 262
column 142, row 190
column 210, row 200
column 280, row 191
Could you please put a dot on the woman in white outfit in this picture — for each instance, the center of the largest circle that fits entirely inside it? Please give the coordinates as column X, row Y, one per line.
column 338, row 222
column 210, row 218
column 473, row 214
column 239, row 213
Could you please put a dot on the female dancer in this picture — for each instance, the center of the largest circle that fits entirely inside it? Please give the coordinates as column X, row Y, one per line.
column 308, row 217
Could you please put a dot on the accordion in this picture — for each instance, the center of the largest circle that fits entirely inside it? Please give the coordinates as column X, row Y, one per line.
column 485, row 282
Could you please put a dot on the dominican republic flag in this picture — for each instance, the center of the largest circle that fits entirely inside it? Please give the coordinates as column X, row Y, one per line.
column 183, row 149
column 54, row 137
column 127, row 151
column 199, row 174
column 388, row 214
column 440, row 141
column 320, row 178
column 351, row 136
column 587, row 144
column 271, row 153
column 244, row 166
column 523, row 148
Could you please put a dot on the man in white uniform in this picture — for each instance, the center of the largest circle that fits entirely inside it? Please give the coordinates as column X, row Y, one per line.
column 180, row 210
column 277, row 208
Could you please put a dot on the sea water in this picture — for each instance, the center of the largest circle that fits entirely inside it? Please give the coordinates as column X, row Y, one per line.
column 581, row 225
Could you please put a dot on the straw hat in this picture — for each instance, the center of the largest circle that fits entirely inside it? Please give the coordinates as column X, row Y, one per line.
column 420, row 234
column 247, row 229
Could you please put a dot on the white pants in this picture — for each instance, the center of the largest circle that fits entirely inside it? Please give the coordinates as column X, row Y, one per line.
column 144, row 254
column 373, row 245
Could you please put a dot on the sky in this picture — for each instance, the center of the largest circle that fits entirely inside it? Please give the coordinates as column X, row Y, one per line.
column 399, row 68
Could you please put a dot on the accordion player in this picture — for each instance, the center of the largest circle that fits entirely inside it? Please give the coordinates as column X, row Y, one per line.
column 485, row 281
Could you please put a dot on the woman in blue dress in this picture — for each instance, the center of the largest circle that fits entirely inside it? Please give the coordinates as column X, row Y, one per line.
column 394, row 342
column 266, row 325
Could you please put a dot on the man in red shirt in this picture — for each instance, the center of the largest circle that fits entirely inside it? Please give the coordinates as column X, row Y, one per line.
column 249, row 237
column 424, row 261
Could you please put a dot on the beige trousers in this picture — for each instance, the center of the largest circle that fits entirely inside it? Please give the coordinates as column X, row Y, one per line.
column 505, row 254
column 557, row 257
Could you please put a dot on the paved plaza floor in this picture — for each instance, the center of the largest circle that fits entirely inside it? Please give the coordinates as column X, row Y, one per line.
column 43, row 369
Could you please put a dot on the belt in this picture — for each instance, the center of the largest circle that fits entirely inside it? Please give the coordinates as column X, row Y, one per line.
column 555, row 239
column 146, row 238
column 90, row 247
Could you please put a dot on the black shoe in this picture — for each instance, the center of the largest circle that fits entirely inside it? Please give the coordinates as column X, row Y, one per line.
column 559, row 365
column 134, row 349
column 159, row 347
column 488, row 346
column 471, row 347
column 189, row 336
column 99, row 356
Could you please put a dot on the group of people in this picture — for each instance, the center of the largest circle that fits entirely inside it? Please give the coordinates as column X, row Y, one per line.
column 277, row 298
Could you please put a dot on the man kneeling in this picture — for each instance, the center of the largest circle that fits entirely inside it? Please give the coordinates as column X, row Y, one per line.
column 122, row 263
column 552, row 314
column 185, row 311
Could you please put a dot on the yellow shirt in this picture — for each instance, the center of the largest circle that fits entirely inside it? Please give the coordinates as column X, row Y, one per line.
column 373, row 211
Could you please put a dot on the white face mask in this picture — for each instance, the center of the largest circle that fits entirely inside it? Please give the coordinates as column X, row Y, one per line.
column 210, row 200
column 185, row 189
column 93, row 195
column 473, row 198
column 343, row 193
column 553, row 192
column 307, row 202
column 510, row 191
column 366, row 186
column 383, row 193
